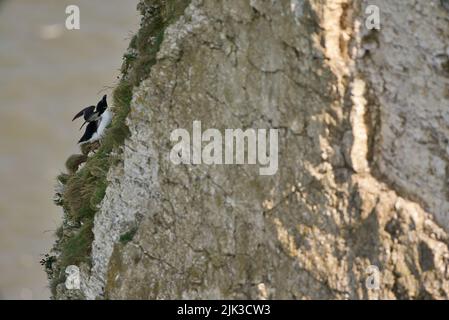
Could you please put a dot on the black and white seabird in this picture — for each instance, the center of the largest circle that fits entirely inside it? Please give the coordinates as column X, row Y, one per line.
column 92, row 113
column 97, row 120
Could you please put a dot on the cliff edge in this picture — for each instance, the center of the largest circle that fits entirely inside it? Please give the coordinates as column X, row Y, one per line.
column 361, row 187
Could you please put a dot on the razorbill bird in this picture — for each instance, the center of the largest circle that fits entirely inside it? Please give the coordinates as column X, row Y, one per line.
column 96, row 124
column 92, row 113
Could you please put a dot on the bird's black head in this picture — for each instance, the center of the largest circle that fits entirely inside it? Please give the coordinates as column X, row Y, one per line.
column 102, row 105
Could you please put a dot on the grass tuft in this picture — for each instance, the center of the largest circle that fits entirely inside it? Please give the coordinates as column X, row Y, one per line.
column 76, row 249
column 74, row 161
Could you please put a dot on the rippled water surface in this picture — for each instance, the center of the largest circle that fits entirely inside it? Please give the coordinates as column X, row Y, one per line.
column 47, row 74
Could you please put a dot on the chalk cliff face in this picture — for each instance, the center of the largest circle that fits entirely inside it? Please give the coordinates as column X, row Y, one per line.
column 362, row 183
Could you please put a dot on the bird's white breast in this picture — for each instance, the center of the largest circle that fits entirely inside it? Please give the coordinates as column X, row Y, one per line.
column 106, row 119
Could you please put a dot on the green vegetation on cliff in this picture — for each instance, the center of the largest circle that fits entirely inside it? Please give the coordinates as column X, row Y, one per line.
column 84, row 189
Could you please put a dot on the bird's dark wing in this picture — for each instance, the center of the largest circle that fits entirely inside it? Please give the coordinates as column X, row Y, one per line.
column 90, row 130
column 89, row 113
column 88, row 110
column 102, row 105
